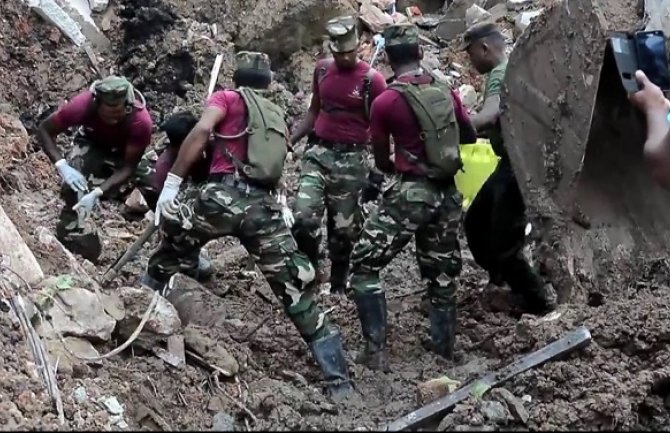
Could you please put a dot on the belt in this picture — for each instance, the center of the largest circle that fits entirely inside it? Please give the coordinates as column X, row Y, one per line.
column 232, row 180
column 338, row 147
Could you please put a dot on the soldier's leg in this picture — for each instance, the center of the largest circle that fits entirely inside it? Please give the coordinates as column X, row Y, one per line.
column 309, row 207
column 439, row 255
column 385, row 233
column 144, row 178
column 345, row 216
column 288, row 272
column 79, row 237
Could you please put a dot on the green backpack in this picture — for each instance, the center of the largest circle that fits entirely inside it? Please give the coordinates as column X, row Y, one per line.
column 267, row 139
column 434, row 109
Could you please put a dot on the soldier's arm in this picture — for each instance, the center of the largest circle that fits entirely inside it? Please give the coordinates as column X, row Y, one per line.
column 307, row 124
column 196, row 140
column 69, row 115
column 490, row 112
column 46, row 136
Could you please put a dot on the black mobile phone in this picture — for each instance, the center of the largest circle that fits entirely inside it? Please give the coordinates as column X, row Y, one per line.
column 652, row 57
column 625, row 55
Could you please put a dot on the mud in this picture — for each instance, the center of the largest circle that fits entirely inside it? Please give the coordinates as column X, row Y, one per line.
column 168, row 48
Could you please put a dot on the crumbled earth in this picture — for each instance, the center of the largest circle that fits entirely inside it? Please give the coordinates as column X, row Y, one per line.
column 619, row 382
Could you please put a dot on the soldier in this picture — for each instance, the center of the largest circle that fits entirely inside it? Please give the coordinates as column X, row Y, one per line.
column 156, row 163
column 495, row 222
column 422, row 202
column 249, row 149
column 115, row 129
column 333, row 167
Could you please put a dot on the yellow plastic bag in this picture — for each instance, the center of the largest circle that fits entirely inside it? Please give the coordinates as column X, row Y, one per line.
column 479, row 161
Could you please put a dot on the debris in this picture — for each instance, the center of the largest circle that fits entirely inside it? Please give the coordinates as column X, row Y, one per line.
column 67, row 354
column 435, row 388
column 14, row 139
column 14, row 251
column 149, row 419
column 658, row 12
column 450, row 28
column 468, row 96
column 113, row 270
column 210, row 351
column 427, row 23
column 475, row 15
column 112, row 405
column 192, row 301
column 494, row 411
column 523, row 20
column 99, row 5
column 50, row 11
column 223, row 421
column 514, row 404
column 176, row 347
column 577, row 339
column 515, row 5
column 136, row 203
column 373, row 17
column 80, row 395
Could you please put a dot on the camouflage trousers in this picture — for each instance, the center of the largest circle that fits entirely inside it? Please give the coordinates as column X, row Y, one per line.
column 412, row 207
column 330, row 181
column 254, row 217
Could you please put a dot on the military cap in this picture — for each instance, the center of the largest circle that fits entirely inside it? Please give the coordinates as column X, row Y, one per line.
column 343, row 34
column 401, row 34
column 477, row 32
column 252, row 60
column 113, row 90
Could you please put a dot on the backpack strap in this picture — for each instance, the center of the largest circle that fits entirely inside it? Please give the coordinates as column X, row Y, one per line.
column 367, row 91
column 239, row 165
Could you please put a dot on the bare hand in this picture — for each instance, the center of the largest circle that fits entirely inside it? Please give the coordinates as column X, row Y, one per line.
column 650, row 97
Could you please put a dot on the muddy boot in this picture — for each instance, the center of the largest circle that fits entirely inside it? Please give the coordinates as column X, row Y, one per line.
column 339, row 274
column 443, row 330
column 373, row 316
column 152, row 283
column 329, row 354
column 539, row 297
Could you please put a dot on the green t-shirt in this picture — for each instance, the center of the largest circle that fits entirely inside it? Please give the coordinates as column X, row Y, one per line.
column 492, row 88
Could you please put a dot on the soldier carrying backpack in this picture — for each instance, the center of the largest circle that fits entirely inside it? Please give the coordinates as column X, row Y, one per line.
column 418, row 113
column 249, row 144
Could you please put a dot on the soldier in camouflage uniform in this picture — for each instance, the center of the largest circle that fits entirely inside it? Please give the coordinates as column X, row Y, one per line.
column 114, row 130
column 333, row 167
column 233, row 204
column 413, row 205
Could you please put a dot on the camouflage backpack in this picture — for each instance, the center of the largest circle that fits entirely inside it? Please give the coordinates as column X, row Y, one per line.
column 267, row 139
column 434, row 109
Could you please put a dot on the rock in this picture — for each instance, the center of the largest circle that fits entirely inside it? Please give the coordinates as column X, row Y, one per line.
column 81, row 313
column 67, row 364
column 280, row 28
column 112, row 405
column 476, row 14
column 434, row 389
column 209, row 349
column 164, row 320
column 79, row 395
column 98, row 5
column 514, row 404
column 373, row 17
column 468, row 96
column 14, row 138
column 494, row 411
column 515, row 5
column 431, row 60
column 457, row 8
column 223, row 421
column 450, row 28
column 523, row 20
column 489, row 4
column 498, row 12
column 135, row 203
column 14, row 252
column 194, row 303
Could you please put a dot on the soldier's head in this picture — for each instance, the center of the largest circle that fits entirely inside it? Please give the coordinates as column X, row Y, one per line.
column 344, row 41
column 177, row 127
column 402, row 45
column 485, row 46
column 114, row 98
column 253, row 70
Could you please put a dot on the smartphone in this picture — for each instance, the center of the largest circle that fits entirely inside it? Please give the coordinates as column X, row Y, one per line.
column 625, row 55
column 652, row 57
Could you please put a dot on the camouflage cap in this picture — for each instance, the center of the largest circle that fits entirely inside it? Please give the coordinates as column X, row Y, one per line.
column 476, row 32
column 253, row 60
column 401, row 34
column 113, row 90
column 343, row 34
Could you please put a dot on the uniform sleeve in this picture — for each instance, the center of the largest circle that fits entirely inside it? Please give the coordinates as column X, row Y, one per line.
column 494, row 82
column 140, row 130
column 379, row 119
column 73, row 113
column 377, row 85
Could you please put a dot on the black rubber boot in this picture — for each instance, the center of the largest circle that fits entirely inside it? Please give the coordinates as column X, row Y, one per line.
column 339, row 275
column 539, row 297
column 152, row 283
column 443, row 330
column 329, row 354
column 373, row 316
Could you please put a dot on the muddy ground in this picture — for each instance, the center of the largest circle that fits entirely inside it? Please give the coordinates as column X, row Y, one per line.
column 606, row 386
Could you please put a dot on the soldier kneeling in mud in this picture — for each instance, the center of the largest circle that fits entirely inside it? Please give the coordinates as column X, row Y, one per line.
column 156, row 163
column 423, row 200
column 114, row 130
column 240, row 199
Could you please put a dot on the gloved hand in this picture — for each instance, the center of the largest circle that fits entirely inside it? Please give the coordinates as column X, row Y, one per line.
column 85, row 205
column 71, row 176
column 286, row 213
column 373, row 187
column 166, row 205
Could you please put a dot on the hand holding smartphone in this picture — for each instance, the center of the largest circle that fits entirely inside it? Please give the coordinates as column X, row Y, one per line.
column 644, row 51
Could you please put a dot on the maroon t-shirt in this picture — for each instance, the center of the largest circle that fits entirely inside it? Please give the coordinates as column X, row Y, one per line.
column 391, row 115
column 76, row 113
column 340, row 94
column 232, row 105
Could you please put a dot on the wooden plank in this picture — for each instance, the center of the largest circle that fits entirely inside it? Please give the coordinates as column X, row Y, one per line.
column 576, row 339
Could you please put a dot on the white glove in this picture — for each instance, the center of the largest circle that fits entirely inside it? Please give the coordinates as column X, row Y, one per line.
column 85, row 205
column 167, row 205
column 286, row 213
column 71, row 176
